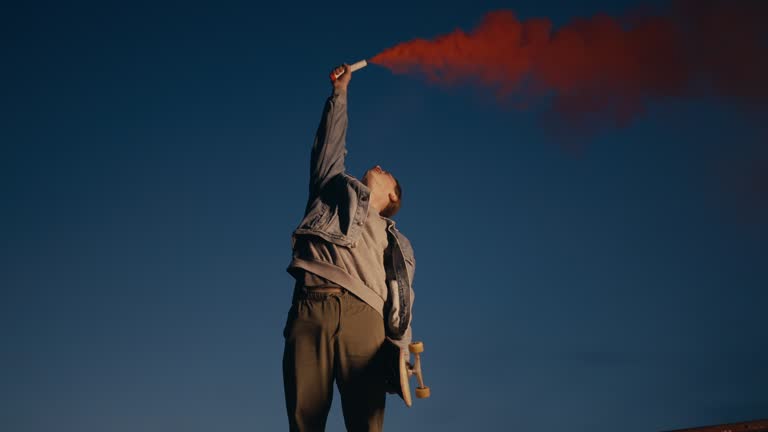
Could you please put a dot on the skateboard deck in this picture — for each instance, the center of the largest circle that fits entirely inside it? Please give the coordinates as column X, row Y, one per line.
column 398, row 369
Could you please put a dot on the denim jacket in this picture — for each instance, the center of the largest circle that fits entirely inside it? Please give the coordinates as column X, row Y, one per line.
column 337, row 208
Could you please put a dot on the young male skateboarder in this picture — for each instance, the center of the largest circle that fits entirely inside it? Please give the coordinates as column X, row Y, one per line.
column 354, row 273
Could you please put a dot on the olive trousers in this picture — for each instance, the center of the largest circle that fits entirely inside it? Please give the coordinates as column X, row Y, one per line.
column 332, row 337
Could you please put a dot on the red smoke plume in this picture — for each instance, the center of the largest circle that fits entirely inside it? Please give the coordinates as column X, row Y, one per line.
column 604, row 67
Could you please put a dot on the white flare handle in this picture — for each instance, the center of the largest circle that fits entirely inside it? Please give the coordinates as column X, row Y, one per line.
column 353, row 67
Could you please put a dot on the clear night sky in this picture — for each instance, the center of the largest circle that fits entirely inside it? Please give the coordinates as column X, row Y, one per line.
column 153, row 163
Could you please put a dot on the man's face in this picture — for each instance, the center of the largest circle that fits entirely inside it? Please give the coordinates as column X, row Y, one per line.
column 380, row 181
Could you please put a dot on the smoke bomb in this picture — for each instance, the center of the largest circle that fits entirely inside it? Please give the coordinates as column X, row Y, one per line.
column 353, row 67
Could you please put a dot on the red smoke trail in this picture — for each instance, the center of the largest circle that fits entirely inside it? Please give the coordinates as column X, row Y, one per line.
column 604, row 68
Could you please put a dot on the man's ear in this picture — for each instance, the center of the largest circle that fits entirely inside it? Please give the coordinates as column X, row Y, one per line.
column 393, row 197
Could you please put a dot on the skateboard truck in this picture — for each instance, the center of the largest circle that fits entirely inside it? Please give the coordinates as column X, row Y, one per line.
column 416, row 348
column 398, row 370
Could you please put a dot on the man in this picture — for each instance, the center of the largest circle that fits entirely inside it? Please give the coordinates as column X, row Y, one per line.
column 354, row 274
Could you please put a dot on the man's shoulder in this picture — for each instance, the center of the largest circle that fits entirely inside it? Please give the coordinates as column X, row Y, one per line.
column 339, row 182
column 347, row 177
column 403, row 240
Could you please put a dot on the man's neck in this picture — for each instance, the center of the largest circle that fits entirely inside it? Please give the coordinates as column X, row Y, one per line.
column 378, row 203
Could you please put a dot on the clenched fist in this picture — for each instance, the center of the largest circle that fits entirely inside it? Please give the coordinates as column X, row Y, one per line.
column 342, row 81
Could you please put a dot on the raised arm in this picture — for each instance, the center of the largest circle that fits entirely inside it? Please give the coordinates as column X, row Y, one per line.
column 329, row 149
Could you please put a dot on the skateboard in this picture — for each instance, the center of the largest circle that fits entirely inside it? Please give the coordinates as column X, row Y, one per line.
column 398, row 369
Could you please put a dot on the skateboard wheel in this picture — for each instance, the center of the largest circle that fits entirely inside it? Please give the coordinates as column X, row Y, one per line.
column 422, row 392
column 416, row 347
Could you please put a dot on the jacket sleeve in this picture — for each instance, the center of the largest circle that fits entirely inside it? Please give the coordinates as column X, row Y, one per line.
column 329, row 149
column 408, row 335
column 411, row 273
column 404, row 341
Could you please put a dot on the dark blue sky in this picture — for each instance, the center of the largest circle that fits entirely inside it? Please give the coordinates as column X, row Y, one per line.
column 154, row 163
